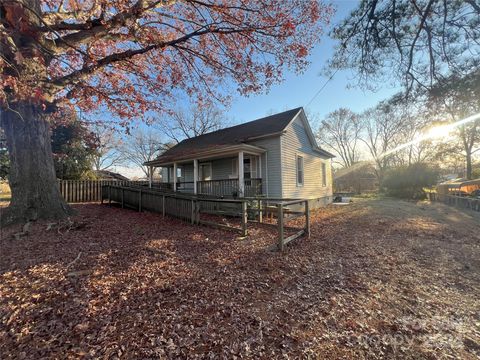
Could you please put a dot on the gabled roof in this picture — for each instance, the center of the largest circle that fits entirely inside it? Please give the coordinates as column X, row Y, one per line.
column 226, row 138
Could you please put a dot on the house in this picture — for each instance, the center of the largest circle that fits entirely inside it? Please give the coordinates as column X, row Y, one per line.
column 275, row 156
column 109, row 175
column 361, row 177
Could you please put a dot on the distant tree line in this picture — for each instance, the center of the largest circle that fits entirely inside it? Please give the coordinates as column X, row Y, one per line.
column 430, row 48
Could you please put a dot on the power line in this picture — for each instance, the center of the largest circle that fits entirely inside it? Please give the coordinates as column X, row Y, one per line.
column 323, row 87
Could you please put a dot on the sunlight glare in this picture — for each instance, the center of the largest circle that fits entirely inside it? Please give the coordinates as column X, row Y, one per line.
column 435, row 132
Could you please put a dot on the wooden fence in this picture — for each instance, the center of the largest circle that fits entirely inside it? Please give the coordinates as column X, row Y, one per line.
column 206, row 210
column 455, row 200
column 75, row 191
column 284, row 211
column 183, row 206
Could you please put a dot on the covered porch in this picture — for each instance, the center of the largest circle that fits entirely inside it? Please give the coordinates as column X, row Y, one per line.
column 234, row 171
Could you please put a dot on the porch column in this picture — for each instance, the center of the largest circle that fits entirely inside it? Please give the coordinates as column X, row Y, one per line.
column 150, row 176
column 174, row 176
column 241, row 182
column 195, row 175
column 260, row 166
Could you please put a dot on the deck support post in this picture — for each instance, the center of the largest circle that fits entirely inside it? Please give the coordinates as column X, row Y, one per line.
column 195, row 175
column 244, row 218
column 280, row 226
column 140, row 200
column 122, row 197
column 192, row 215
column 241, row 182
column 260, row 211
column 174, row 177
column 109, row 195
column 307, row 219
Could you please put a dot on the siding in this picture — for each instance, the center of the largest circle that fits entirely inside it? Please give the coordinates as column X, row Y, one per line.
column 187, row 172
column 296, row 142
column 271, row 171
column 221, row 168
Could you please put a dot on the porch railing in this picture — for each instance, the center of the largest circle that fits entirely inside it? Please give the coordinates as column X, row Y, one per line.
column 229, row 187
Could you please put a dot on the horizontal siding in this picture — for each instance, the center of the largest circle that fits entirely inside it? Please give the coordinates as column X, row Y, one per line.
column 271, row 166
column 296, row 142
column 222, row 168
column 187, row 172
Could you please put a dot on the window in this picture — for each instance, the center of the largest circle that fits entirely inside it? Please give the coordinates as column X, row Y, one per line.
column 247, row 170
column 250, row 166
column 324, row 174
column 299, row 171
column 179, row 172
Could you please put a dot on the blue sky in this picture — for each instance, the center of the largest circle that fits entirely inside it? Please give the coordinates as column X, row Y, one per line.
column 298, row 90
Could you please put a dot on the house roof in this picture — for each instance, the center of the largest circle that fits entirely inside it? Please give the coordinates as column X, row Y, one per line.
column 228, row 137
column 109, row 175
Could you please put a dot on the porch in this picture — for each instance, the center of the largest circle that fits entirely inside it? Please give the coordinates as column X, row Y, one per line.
column 232, row 172
column 220, row 188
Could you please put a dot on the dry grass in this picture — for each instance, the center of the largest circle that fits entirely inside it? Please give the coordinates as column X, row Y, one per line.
column 377, row 279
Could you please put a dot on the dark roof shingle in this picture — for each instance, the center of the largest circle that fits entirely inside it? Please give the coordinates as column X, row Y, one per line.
column 231, row 136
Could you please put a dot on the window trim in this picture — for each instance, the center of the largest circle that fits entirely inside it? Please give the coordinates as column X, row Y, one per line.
column 297, row 163
column 324, row 174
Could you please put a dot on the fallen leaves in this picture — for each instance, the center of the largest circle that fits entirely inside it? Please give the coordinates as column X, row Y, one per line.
column 137, row 285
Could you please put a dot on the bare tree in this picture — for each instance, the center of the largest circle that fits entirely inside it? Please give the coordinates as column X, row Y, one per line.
column 141, row 146
column 109, row 149
column 415, row 42
column 383, row 126
column 339, row 132
column 452, row 100
column 196, row 120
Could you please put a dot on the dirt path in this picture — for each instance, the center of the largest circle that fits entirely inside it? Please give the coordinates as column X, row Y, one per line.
column 377, row 279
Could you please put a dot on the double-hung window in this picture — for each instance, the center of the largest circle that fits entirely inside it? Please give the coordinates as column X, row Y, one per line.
column 324, row 174
column 300, row 171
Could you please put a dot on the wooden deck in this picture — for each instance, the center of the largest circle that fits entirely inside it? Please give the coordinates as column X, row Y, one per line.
column 212, row 211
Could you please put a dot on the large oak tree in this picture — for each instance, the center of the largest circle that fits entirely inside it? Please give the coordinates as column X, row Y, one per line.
column 129, row 57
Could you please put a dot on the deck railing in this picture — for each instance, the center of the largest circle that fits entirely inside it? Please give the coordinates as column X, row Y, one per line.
column 229, row 187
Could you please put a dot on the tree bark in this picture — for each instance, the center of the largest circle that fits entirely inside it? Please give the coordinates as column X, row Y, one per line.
column 32, row 179
column 468, row 160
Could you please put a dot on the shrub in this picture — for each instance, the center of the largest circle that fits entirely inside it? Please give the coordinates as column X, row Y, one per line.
column 407, row 182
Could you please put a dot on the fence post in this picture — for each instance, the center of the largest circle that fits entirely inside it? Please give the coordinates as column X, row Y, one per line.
column 140, row 200
column 109, row 195
column 193, row 212
column 307, row 219
column 260, row 211
column 122, row 197
column 244, row 218
column 197, row 209
column 280, row 226
column 163, row 205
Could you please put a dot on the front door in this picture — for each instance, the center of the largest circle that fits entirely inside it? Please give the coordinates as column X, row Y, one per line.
column 205, row 171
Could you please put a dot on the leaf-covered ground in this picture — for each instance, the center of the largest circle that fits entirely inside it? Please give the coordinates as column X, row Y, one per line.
column 377, row 278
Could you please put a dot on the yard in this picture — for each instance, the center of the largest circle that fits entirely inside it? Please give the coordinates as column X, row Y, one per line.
column 378, row 278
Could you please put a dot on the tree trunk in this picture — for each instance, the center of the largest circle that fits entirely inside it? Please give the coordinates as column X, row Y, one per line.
column 35, row 193
column 468, row 160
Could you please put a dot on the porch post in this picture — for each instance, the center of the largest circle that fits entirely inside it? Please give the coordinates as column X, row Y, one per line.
column 260, row 166
column 241, row 182
column 195, row 175
column 150, row 176
column 174, row 176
